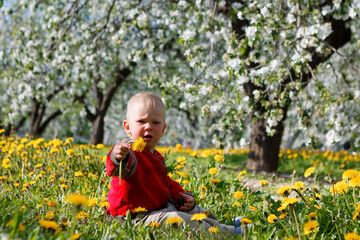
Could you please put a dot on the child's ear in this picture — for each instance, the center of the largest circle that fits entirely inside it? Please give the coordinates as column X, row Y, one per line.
column 127, row 127
column 163, row 131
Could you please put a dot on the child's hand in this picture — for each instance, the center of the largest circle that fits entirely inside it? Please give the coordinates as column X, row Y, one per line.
column 189, row 202
column 121, row 150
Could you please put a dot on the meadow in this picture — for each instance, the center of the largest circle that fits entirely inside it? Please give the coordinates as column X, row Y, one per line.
column 55, row 189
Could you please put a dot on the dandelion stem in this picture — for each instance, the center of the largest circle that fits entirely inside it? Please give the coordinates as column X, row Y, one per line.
column 201, row 233
column 120, row 167
column 296, row 222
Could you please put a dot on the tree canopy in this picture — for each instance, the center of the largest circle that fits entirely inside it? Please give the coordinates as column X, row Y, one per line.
column 225, row 66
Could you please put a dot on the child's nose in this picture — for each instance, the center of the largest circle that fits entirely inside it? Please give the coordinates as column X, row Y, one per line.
column 147, row 126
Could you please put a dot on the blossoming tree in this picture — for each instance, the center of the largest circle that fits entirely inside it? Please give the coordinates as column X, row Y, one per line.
column 269, row 61
column 263, row 62
column 64, row 57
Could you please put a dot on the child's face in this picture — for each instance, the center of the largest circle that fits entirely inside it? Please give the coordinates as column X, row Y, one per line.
column 146, row 122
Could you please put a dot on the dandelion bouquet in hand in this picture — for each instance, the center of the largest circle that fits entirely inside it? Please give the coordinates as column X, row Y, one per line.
column 137, row 146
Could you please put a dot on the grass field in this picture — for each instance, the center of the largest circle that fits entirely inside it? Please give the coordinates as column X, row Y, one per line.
column 53, row 189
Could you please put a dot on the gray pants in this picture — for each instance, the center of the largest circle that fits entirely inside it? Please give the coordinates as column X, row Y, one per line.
column 170, row 211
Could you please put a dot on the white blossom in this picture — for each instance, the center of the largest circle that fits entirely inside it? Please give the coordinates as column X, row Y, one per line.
column 187, row 35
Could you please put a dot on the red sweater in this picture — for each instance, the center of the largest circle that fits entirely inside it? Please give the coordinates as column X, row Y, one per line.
column 144, row 183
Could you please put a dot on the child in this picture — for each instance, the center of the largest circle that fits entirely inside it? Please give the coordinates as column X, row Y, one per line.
column 145, row 184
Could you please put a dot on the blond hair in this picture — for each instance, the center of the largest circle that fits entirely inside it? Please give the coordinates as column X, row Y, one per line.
column 147, row 99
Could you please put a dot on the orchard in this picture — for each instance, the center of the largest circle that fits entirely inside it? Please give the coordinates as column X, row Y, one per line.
column 275, row 80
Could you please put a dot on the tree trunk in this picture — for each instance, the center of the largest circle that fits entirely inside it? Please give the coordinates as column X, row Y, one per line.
column 37, row 122
column 264, row 149
column 97, row 133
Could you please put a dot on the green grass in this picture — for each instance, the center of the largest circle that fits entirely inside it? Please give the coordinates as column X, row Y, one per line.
column 36, row 177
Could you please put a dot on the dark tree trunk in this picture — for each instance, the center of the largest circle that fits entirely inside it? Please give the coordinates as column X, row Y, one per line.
column 97, row 134
column 264, row 149
column 13, row 128
column 38, row 120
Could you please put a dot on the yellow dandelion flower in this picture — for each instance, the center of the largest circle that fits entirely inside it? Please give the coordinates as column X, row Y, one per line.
column 193, row 154
column 309, row 171
column 49, row 225
column 154, row 224
column 298, row 185
column 70, row 152
column 349, row 174
column 237, row 204
column 340, row 188
column 82, row 215
column 77, row 199
column 69, row 140
column 173, row 220
column 289, row 201
column 352, row 236
column 199, row 216
column 138, row 145
column 252, row 208
column 181, row 174
column 219, row 158
column 51, row 203
column 357, row 209
column 38, row 165
column 242, row 173
column 317, row 207
column 284, row 190
column 63, row 187
column 65, row 223
column 178, row 146
column 104, row 204
column 312, row 215
column 246, row 221
column 213, row 229
column 310, row 227
column 215, row 180
column 179, row 166
column 49, row 215
column 75, row 236
column 3, row 178
column 281, row 208
column 39, row 206
column 355, row 181
column 271, row 218
column 99, row 146
column 139, row 210
column 185, row 181
column 2, row 130
column 22, row 208
column 6, row 163
column 181, row 160
column 213, row 171
column 79, row 174
column 282, row 216
column 92, row 201
column 263, row 182
column 21, row 228
column 238, row 195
